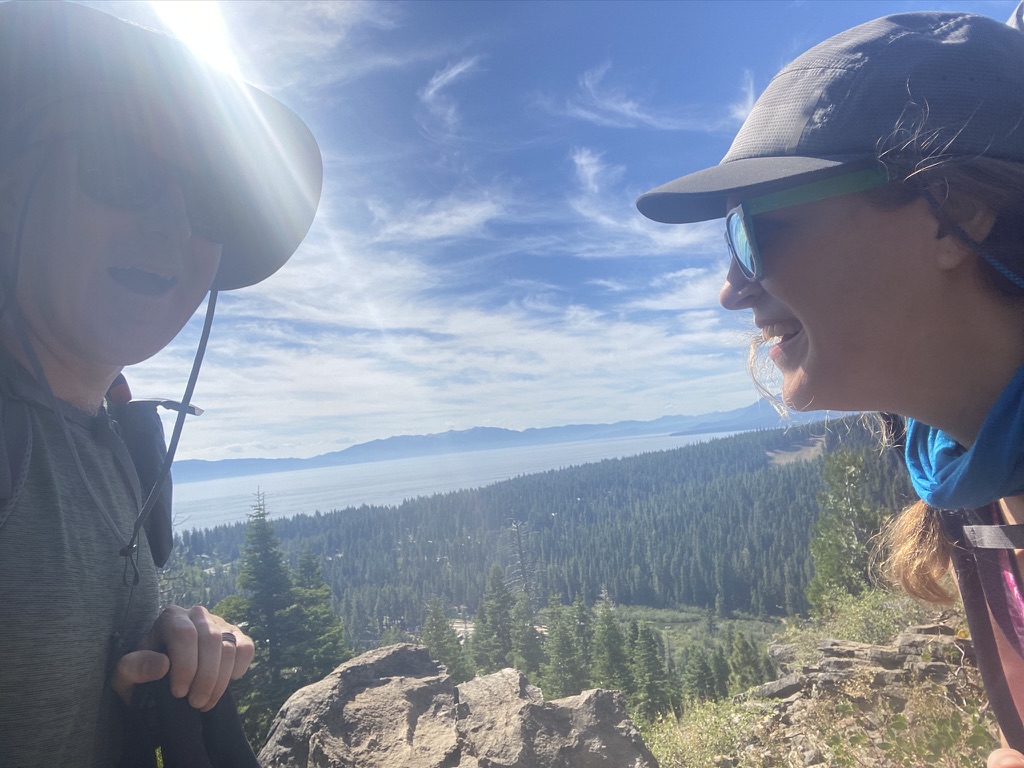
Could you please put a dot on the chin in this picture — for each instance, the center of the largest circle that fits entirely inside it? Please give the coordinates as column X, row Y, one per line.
column 799, row 397
column 132, row 349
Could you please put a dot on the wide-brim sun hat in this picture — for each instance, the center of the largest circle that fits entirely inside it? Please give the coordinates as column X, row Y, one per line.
column 951, row 81
column 262, row 156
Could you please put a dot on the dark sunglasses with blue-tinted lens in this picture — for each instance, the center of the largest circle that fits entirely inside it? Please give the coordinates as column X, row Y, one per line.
column 118, row 171
column 739, row 229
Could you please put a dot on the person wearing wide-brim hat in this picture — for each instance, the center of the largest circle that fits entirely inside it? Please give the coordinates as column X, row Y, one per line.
column 874, row 213
column 134, row 182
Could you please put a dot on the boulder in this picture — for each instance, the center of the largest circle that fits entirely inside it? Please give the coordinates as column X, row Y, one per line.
column 395, row 708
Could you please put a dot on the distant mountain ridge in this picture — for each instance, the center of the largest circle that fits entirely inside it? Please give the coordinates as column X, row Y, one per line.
column 758, row 415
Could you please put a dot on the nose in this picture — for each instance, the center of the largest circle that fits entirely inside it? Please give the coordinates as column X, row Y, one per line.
column 167, row 215
column 738, row 292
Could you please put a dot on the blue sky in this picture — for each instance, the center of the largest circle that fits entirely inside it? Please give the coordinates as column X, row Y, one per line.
column 477, row 259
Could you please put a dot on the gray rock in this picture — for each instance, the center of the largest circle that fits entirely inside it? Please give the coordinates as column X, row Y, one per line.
column 392, row 706
column 395, row 708
column 780, row 689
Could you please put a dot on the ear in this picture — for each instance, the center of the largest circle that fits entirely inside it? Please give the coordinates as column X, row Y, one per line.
column 975, row 220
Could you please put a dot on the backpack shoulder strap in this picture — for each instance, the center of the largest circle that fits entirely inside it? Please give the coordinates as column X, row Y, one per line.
column 142, row 433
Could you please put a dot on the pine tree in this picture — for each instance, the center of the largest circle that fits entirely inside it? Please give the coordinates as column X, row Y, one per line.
column 611, row 661
column 584, row 631
column 492, row 636
column 720, row 672
column 527, row 654
column 264, row 578
column 313, row 638
column 839, row 538
column 698, row 678
column 745, row 667
column 651, row 696
column 299, row 638
column 308, row 573
column 266, row 585
column 482, row 644
column 562, row 674
column 440, row 637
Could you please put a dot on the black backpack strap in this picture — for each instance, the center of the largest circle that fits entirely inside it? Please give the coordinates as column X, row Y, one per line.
column 978, row 575
column 142, row 435
column 995, row 536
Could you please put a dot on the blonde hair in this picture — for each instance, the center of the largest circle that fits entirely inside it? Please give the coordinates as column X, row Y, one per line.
column 914, row 553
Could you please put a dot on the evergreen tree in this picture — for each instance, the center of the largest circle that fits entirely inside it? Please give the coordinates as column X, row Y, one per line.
column 527, row 654
column 440, row 637
column 562, row 674
column 299, row 638
column 482, row 643
column 839, row 539
column 611, row 660
column 263, row 577
column 492, row 634
column 308, row 574
column 266, row 585
column 584, row 631
column 650, row 696
column 744, row 666
column 312, row 636
column 720, row 672
column 698, row 677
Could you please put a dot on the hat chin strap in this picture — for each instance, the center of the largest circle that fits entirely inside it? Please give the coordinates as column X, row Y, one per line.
column 183, row 408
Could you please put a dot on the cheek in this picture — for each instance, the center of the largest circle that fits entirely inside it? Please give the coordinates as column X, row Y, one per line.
column 205, row 261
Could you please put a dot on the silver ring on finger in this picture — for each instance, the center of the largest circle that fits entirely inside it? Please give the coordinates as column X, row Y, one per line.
column 229, row 637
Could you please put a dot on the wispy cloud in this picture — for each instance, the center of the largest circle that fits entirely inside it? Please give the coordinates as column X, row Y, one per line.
column 603, row 103
column 740, row 108
column 455, row 216
column 441, row 108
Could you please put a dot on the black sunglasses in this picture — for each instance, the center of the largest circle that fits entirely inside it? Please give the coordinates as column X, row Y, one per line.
column 118, row 171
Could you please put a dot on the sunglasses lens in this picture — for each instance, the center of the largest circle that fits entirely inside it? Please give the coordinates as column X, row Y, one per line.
column 740, row 244
column 118, row 172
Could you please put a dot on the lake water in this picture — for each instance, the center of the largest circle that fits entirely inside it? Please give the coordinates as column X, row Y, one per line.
column 206, row 503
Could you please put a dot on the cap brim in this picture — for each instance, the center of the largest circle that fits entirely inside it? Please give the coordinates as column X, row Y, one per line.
column 259, row 153
column 704, row 195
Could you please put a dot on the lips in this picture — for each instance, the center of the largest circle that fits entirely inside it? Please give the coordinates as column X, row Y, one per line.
column 141, row 281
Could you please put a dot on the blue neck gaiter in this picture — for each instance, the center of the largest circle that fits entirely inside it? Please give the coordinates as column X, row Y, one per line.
column 948, row 476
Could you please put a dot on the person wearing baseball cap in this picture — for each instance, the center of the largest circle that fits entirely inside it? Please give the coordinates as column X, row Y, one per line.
column 874, row 215
column 135, row 181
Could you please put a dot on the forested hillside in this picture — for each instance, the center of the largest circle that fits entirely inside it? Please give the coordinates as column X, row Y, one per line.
column 722, row 524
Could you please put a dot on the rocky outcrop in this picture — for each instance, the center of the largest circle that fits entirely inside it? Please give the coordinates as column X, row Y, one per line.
column 395, row 708
column 875, row 681
column 925, row 652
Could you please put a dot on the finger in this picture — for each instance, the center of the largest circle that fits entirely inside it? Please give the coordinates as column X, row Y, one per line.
column 211, row 657
column 138, row 667
column 175, row 633
column 245, row 650
column 1005, row 758
column 227, row 664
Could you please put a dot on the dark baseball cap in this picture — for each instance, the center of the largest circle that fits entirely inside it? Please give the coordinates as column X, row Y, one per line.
column 261, row 154
column 954, row 81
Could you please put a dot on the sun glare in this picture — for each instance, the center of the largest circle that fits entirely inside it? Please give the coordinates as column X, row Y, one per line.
column 200, row 25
